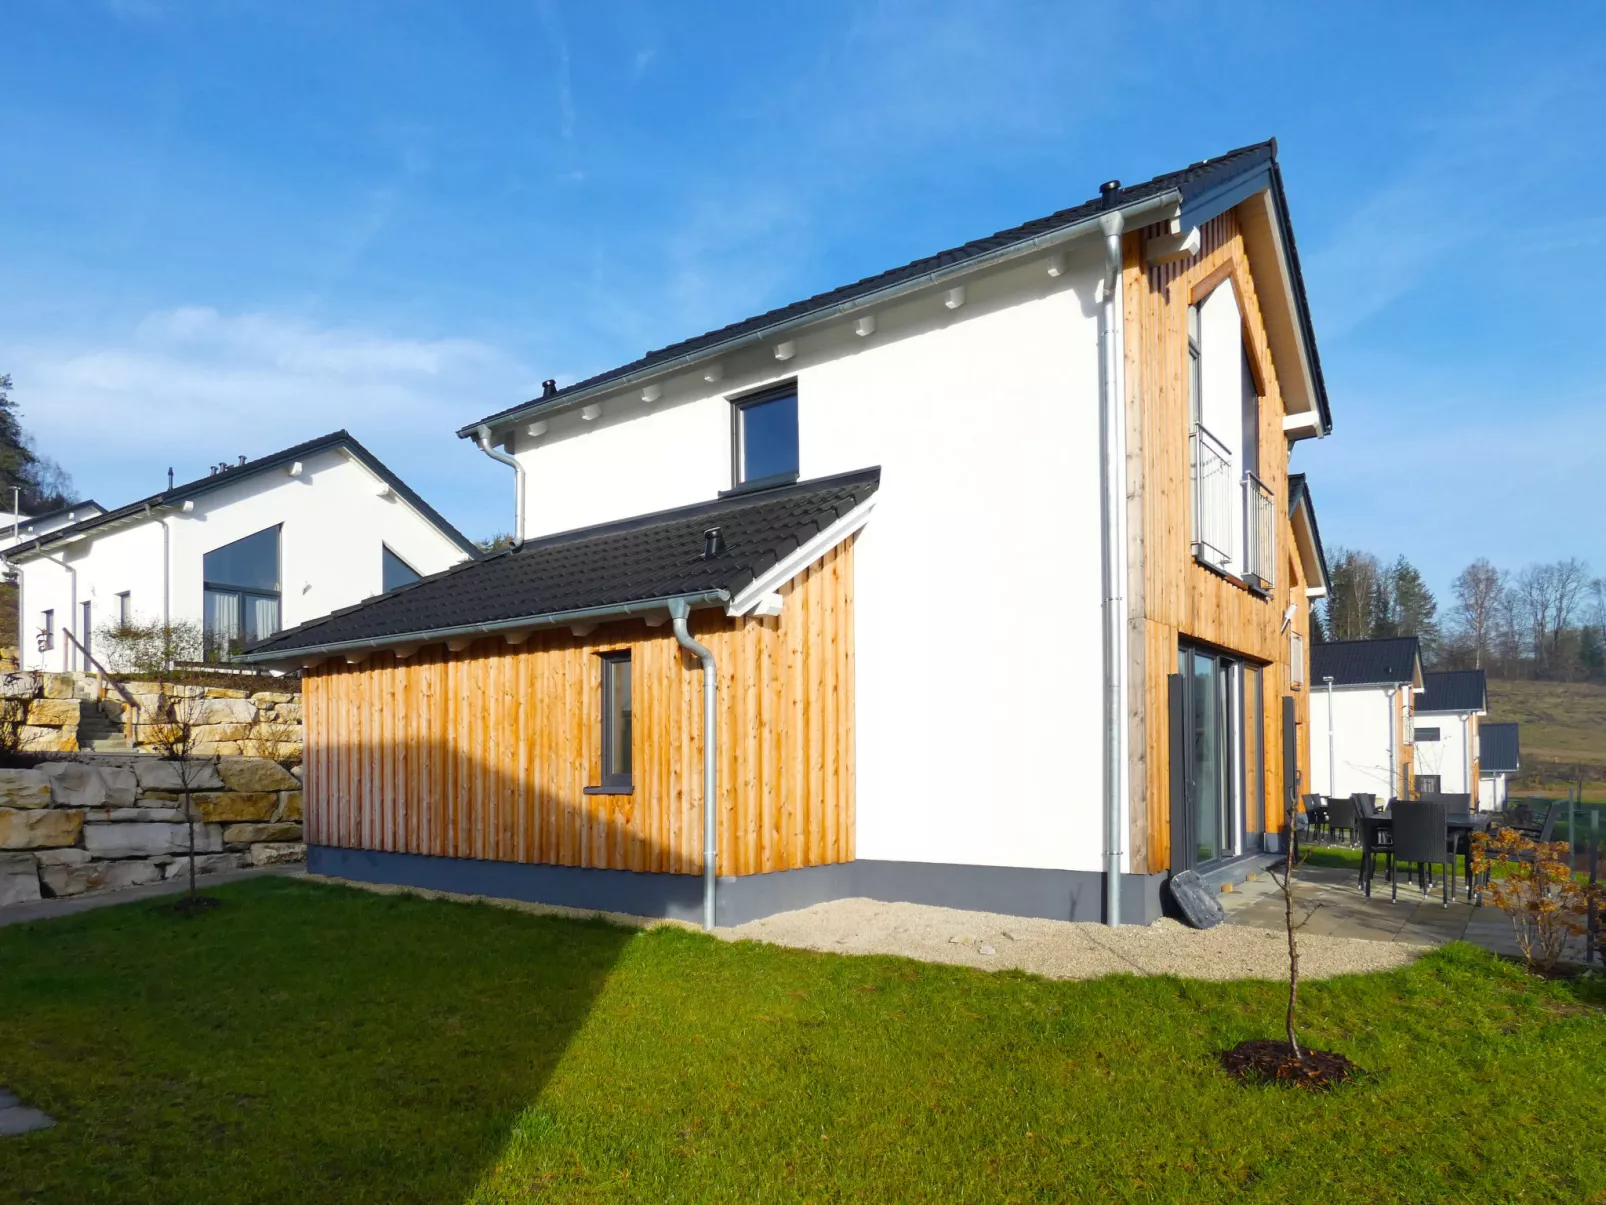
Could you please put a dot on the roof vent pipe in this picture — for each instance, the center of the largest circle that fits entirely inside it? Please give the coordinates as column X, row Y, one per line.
column 1107, row 192
column 518, row 481
column 713, row 543
column 549, row 388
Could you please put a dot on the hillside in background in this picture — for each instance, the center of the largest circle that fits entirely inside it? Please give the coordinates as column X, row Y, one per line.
column 1563, row 733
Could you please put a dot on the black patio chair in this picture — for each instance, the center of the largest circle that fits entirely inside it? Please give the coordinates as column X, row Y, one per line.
column 1374, row 837
column 1341, row 817
column 1316, row 811
column 1421, row 838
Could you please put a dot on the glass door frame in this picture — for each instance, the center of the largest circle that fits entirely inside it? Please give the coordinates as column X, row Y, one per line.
column 1229, row 691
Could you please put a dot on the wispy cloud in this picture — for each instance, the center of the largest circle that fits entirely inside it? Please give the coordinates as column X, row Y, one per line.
column 552, row 22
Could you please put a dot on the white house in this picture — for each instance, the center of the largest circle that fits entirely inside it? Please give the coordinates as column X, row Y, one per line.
column 248, row 550
column 21, row 528
column 1362, row 705
column 1499, row 757
column 976, row 628
column 1445, row 737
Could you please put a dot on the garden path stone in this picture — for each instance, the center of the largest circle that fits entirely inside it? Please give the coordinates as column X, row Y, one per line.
column 18, row 1118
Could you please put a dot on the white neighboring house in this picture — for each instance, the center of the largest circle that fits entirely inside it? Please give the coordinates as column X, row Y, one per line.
column 1445, row 738
column 22, row 529
column 249, row 550
column 1499, row 757
column 1362, row 695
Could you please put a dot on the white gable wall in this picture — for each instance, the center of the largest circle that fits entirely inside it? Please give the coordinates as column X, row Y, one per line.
column 1362, row 735
column 334, row 524
column 1450, row 757
column 977, row 580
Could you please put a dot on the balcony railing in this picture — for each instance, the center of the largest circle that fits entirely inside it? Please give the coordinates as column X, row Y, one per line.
column 1214, row 504
column 1260, row 534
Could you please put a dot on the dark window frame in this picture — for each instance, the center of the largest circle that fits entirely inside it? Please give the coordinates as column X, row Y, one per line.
column 47, row 629
column 610, row 783
column 125, row 608
column 746, row 401
column 1418, row 735
column 386, row 555
column 212, row 647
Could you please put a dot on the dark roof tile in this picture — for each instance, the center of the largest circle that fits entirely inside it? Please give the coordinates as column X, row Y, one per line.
column 1365, row 662
column 1453, row 690
column 1498, row 750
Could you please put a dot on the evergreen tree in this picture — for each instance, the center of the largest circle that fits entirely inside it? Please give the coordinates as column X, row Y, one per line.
column 1381, row 611
column 1591, row 652
column 1414, row 608
column 44, row 485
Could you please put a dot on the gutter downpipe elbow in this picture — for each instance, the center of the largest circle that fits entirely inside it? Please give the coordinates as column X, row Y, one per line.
column 1112, row 475
column 679, row 609
column 495, row 453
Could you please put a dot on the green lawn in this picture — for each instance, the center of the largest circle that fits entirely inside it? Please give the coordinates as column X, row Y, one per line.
column 310, row 1043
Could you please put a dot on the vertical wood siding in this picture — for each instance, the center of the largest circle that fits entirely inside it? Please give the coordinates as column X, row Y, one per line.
column 1172, row 597
column 486, row 753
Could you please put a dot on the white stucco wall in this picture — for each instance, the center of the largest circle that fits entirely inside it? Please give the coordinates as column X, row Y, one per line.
column 1360, row 738
column 1492, row 791
column 1450, row 757
column 977, row 590
column 334, row 525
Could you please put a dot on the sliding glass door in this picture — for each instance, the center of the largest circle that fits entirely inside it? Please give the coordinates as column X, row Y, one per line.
column 1222, row 772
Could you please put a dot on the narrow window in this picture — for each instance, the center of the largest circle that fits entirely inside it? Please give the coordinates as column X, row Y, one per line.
column 241, row 590
column 616, row 773
column 1296, row 660
column 47, row 631
column 1251, row 420
column 764, row 438
column 395, row 571
column 85, row 626
column 125, row 610
column 1195, row 369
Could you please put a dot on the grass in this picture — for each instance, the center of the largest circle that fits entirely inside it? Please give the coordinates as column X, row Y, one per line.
column 314, row 1043
column 1563, row 734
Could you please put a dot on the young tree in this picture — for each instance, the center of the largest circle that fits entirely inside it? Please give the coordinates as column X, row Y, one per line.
column 173, row 734
column 1478, row 588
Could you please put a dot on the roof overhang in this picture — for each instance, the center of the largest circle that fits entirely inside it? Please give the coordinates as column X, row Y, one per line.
column 1162, row 207
column 1308, row 543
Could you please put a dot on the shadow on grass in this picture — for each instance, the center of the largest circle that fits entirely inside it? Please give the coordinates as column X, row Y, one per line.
column 302, row 1042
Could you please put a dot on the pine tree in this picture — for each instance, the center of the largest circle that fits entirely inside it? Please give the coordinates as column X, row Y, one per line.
column 42, row 483
column 1414, row 607
column 1381, row 612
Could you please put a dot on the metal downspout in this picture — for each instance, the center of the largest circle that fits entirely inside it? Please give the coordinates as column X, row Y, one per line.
column 679, row 609
column 1394, row 734
column 1332, row 745
column 1112, row 474
column 518, row 481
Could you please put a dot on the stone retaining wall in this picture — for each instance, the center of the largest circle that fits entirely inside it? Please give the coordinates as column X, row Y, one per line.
column 49, row 712
column 95, row 822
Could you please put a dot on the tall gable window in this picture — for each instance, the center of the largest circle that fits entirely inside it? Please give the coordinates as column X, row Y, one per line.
column 764, row 438
column 395, row 572
column 617, row 772
column 242, row 593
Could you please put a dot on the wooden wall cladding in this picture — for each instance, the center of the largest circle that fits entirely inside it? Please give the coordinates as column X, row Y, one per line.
column 486, row 753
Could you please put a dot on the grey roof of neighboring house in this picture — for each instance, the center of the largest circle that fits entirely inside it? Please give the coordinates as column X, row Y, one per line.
column 648, row 558
column 86, row 504
column 1391, row 661
column 1453, row 690
column 1498, row 750
column 1208, row 187
column 286, row 456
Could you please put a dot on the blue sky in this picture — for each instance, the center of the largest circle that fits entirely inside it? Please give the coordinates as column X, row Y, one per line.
column 229, row 226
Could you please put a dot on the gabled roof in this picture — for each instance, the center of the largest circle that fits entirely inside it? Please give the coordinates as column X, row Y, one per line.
column 613, row 569
column 87, row 504
column 1498, row 751
column 275, row 460
column 1198, row 192
column 1453, row 690
column 1300, row 505
column 1395, row 661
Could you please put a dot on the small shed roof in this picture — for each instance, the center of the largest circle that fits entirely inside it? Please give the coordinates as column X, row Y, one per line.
column 1453, row 690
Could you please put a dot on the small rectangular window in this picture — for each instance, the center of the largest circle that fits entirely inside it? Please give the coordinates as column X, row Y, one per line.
column 1195, row 369
column 394, row 571
column 1296, row 660
column 47, row 631
column 616, row 734
column 1425, row 734
column 764, row 438
column 125, row 610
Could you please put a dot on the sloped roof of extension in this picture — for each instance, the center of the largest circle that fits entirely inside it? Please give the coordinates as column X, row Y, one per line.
column 1198, row 192
column 1498, row 750
column 1396, row 661
column 275, row 460
column 1299, row 501
column 1453, row 690
column 627, row 567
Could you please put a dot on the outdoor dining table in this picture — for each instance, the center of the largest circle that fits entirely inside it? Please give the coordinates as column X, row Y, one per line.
column 1462, row 826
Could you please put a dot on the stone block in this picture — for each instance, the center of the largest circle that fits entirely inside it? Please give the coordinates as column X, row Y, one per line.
column 62, row 857
column 289, row 806
column 95, row 876
column 134, row 815
column 179, row 868
column 225, row 711
column 23, row 789
column 226, row 692
column 272, row 853
column 47, row 740
column 271, row 698
column 54, row 713
column 256, row 774
column 17, row 686
column 250, row 834
column 290, row 713
column 41, row 828
column 19, row 879
column 155, row 774
column 236, row 805
column 145, row 840
column 58, row 686
column 217, row 734
column 222, row 749
column 80, row 785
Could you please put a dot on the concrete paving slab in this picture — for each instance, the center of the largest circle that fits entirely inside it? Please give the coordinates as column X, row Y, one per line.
column 20, row 1119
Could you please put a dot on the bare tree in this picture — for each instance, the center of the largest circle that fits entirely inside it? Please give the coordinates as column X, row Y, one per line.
column 173, row 734
column 1477, row 598
column 1569, row 584
column 1286, row 885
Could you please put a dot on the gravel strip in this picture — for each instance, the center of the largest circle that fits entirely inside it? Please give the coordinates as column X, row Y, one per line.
column 1063, row 950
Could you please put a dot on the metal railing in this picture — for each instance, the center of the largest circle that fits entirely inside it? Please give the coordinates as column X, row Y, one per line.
column 103, row 678
column 1260, row 533
column 1213, row 501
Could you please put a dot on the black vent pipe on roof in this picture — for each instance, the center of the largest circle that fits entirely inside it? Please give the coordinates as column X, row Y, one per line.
column 549, row 387
column 713, row 543
column 1107, row 192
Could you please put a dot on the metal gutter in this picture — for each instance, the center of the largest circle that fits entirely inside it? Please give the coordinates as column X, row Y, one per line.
column 1139, row 213
column 678, row 611
column 555, row 619
column 496, row 453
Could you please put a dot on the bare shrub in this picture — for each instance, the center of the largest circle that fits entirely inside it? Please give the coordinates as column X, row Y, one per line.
column 1533, row 883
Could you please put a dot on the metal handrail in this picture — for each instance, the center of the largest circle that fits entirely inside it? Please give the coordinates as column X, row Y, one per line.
column 1260, row 531
column 1212, row 496
column 102, row 677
